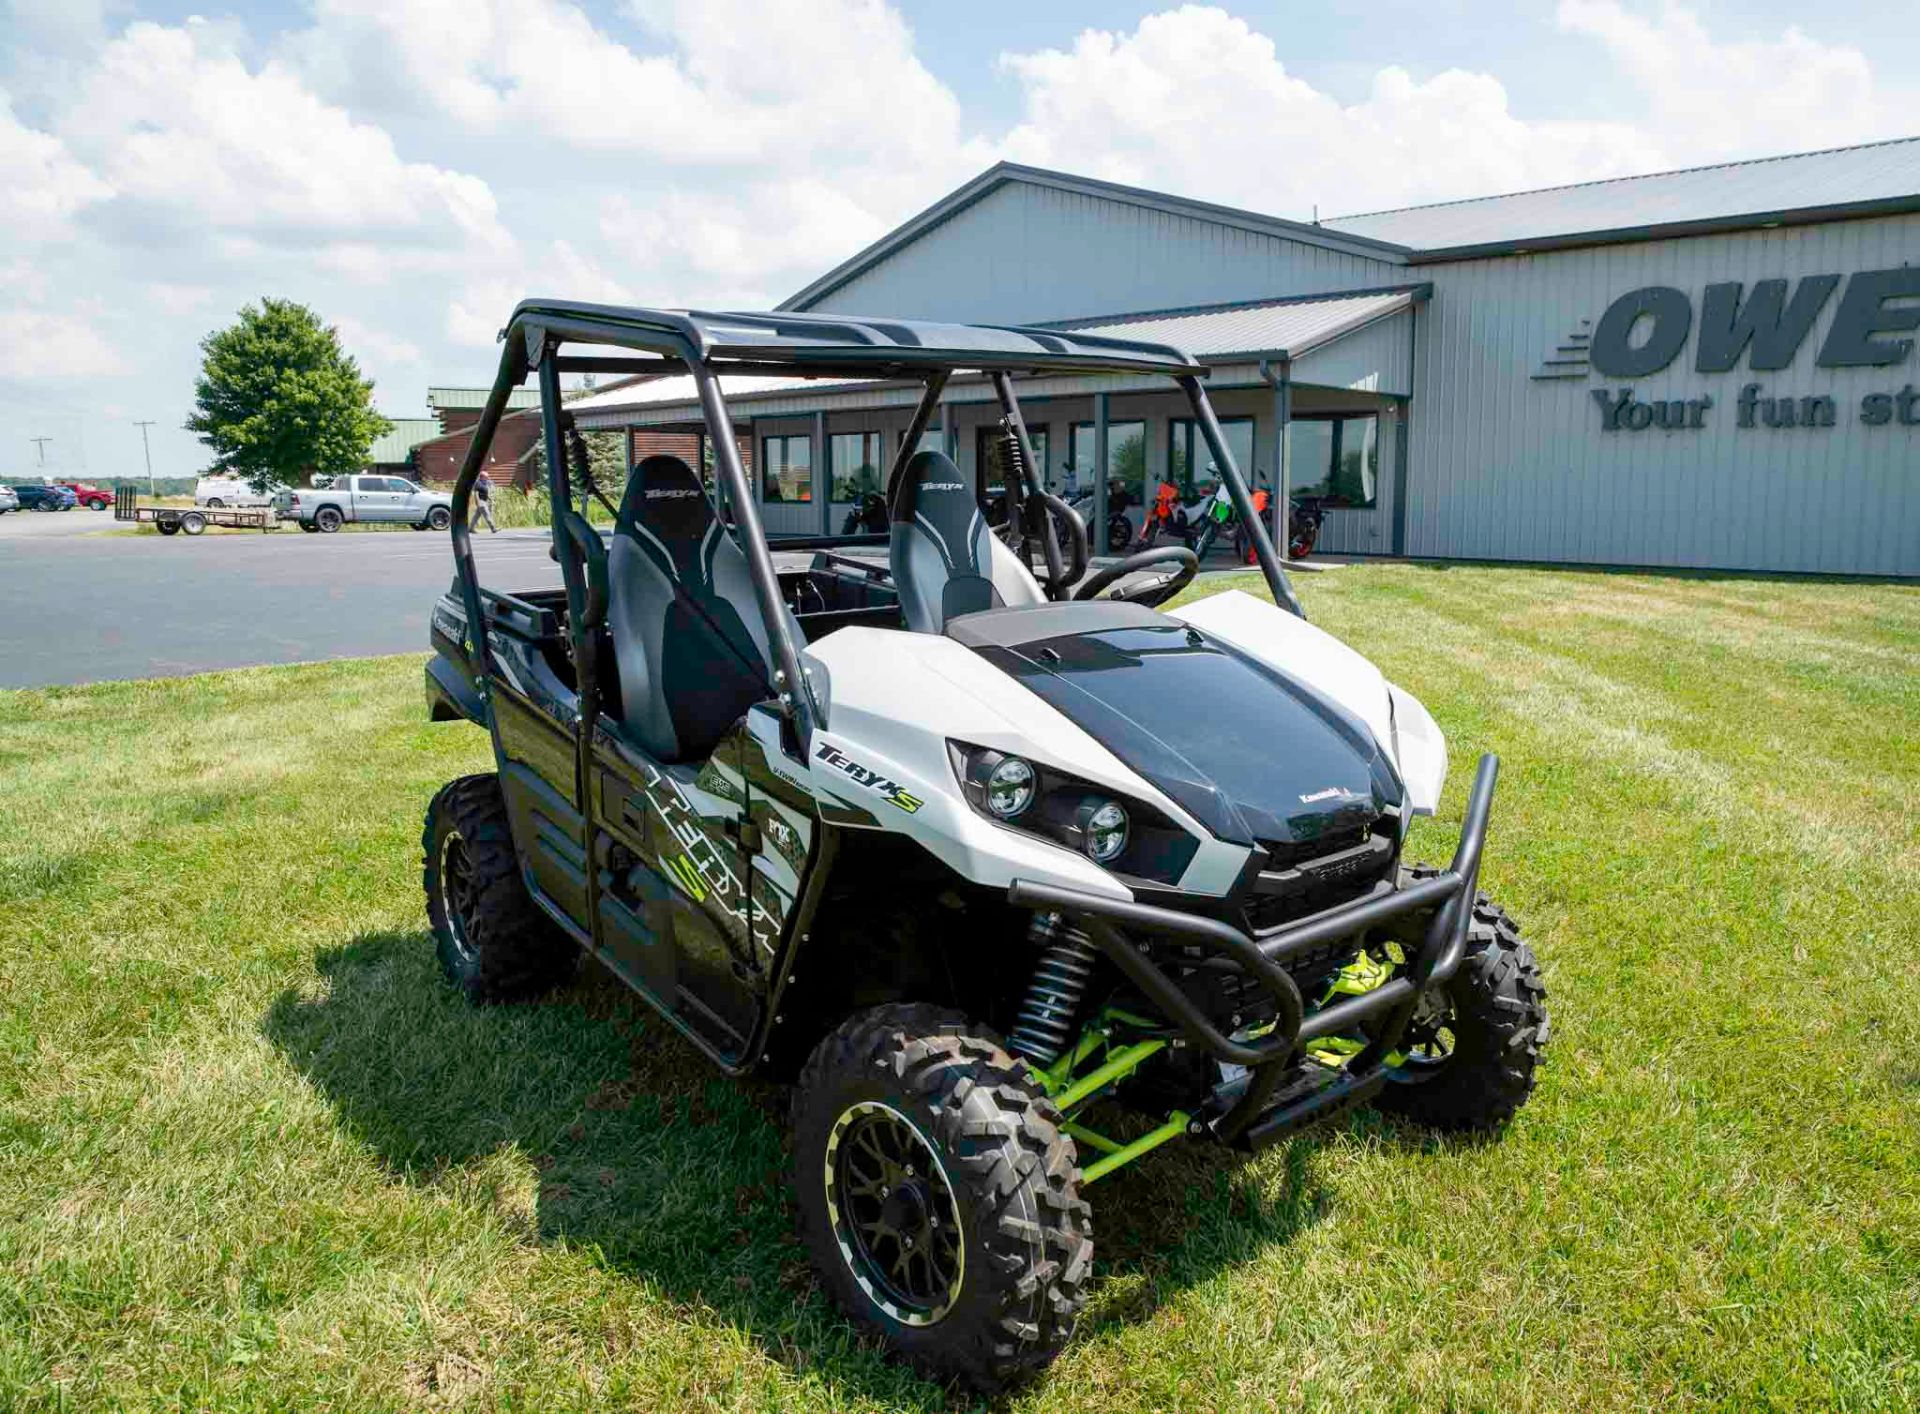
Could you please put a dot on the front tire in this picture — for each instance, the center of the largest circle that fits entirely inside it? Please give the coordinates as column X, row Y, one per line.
column 938, row 1197
column 493, row 941
column 1469, row 1056
column 439, row 518
column 193, row 523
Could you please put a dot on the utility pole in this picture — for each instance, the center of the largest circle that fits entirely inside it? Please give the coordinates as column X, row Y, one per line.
column 40, row 446
column 143, row 426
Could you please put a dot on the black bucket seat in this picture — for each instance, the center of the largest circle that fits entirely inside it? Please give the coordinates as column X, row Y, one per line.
column 945, row 560
column 688, row 638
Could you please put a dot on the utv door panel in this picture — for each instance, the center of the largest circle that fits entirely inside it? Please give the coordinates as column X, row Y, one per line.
column 684, row 937
column 536, row 776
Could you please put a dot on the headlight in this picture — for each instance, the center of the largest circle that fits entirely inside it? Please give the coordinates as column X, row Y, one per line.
column 1103, row 830
column 1130, row 837
column 1009, row 787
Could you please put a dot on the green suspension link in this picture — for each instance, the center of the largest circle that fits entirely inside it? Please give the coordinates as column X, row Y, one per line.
column 1069, row 1085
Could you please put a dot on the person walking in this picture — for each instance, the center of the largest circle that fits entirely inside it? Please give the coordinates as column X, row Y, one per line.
column 483, row 502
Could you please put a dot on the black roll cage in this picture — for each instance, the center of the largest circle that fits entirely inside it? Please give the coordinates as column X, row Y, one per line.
column 708, row 345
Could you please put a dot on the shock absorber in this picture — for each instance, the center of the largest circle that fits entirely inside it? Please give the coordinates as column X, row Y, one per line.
column 1045, row 1022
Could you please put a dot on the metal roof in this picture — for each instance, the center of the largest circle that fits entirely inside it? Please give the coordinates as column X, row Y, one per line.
column 1268, row 329
column 841, row 344
column 1846, row 181
column 473, row 399
column 391, row 448
column 1278, row 328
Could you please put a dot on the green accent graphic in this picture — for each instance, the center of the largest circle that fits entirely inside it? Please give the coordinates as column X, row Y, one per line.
column 689, row 877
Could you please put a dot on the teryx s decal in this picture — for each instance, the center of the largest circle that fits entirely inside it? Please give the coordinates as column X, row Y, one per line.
column 890, row 791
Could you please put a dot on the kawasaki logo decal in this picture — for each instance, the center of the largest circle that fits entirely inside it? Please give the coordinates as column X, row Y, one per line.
column 890, row 791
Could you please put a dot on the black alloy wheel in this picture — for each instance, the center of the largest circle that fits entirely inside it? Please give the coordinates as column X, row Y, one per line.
column 893, row 1213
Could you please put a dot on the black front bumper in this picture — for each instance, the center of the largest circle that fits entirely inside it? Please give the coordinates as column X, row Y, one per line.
column 1263, row 1113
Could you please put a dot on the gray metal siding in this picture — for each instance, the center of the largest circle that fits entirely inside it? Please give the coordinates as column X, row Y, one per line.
column 1028, row 253
column 1376, row 359
column 1507, row 467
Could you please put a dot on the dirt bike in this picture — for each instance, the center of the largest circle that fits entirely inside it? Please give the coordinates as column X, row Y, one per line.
column 1119, row 528
column 1303, row 527
column 1166, row 516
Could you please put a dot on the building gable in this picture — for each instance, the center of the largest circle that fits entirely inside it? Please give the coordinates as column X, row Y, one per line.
column 1025, row 247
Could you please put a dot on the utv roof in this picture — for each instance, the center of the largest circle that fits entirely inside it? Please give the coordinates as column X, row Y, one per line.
column 831, row 344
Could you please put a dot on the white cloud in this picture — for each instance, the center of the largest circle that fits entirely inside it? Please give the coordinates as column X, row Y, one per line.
column 178, row 299
column 1198, row 101
column 44, row 185
column 37, row 344
column 742, row 241
column 1741, row 97
column 735, row 81
column 479, row 311
column 366, row 341
column 185, row 130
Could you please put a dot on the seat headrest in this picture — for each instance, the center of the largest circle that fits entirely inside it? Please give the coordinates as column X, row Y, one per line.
column 666, row 497
column 932, row 486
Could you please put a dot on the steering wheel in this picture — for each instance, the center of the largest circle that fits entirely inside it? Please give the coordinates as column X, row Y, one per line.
column 1154, row 591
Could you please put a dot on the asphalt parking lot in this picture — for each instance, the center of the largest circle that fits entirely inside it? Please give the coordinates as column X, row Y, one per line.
column 38, row 525
column 84, row 607
column 82, row 600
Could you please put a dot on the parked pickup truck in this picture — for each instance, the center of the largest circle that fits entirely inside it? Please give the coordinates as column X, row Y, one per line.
column 365, row 498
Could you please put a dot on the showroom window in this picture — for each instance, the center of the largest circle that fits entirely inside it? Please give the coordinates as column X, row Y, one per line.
column 786, row 469
column 1335, row 458
column 991, row 453
column 856, row 463
column 1126, row 460
column 1190, row 464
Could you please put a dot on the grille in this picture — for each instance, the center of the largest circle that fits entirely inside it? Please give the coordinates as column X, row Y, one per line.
column 1314, row 875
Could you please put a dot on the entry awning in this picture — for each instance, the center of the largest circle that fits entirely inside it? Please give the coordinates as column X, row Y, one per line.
column 1354, row 340
column 1287, row 331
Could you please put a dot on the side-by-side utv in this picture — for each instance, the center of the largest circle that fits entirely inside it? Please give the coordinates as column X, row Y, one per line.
column 963, row 842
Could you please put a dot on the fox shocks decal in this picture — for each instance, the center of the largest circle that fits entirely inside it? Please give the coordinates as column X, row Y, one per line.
column 890, row 791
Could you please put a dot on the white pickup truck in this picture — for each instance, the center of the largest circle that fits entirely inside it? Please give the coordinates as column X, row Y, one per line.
column 365, row 498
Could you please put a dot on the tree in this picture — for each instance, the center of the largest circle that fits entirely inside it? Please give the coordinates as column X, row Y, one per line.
column 606, row 463
column 278, row 398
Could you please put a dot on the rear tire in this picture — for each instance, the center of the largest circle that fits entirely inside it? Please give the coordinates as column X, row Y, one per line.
column 214, row 503
column 326, row 520
column 994, row 1302
column 167, row 527
column 493, row 941
column 1494, row 1012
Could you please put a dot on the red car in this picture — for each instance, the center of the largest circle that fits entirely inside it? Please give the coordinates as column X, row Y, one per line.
column 93, row 498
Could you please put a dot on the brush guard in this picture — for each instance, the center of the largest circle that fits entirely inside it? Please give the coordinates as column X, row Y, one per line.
column 1264, row 1112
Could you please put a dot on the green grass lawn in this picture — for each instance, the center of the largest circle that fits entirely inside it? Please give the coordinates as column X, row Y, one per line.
column 254, row 1155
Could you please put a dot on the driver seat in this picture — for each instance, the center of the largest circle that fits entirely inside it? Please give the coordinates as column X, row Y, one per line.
column 689, row 642
column 945, row 560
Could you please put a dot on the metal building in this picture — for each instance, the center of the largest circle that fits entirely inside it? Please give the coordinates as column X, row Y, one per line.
column 1711, row 368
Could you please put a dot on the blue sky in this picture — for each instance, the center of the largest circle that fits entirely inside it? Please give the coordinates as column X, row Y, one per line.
column 410, row 167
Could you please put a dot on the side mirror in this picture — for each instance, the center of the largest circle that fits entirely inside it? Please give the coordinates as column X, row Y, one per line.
column 584, row 541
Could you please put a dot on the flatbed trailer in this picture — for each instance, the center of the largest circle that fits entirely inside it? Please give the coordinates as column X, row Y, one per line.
column 192, row 520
